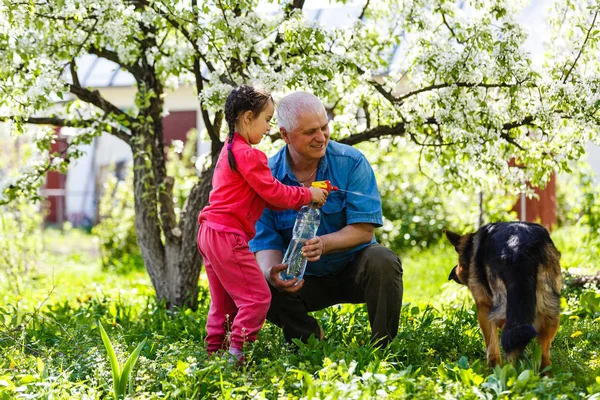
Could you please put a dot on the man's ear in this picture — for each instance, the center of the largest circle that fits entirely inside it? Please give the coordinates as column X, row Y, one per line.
column 284, row 135
column 454, row 238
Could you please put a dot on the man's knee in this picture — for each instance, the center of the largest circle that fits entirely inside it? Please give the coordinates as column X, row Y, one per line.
column 383, row 262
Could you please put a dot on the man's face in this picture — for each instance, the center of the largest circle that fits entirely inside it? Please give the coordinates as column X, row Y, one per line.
column 311, row 136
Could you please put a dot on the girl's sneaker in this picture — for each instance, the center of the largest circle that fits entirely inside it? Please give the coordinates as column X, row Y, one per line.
column 236, row 356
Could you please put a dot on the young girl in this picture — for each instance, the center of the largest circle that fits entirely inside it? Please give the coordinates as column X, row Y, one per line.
column 242, row 186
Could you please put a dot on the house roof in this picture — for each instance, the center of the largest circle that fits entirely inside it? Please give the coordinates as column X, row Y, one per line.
column 94, row 71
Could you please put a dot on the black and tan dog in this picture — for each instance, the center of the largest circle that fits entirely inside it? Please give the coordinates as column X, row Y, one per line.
column 513, row 272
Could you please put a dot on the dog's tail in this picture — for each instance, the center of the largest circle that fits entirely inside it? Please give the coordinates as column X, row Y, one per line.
column 520, row 309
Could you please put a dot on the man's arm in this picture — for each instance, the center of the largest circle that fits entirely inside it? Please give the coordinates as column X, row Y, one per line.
column 267, row 258
column 270, row 262
column 346, row 238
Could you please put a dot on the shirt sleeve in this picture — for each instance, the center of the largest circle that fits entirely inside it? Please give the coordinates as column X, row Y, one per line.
column 366, row 207
column 253, row 166
column 267, row 237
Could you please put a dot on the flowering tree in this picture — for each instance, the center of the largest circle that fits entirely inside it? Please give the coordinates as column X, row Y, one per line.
column 464, row 90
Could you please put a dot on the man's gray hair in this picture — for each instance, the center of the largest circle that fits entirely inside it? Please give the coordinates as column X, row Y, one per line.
column 295, row 104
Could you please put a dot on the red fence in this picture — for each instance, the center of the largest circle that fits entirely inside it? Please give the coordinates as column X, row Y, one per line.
column 541, row 210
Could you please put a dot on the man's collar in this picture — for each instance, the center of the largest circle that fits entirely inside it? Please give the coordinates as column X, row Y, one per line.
column 287, row 168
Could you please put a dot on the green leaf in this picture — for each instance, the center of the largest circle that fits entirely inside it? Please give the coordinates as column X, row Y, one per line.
column 40, row 367
column 128, row 367
column 25, row 379
column 524, row 376
column 112, row 357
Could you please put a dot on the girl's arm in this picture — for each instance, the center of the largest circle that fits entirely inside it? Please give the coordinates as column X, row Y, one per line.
column 275, row 208
column 253, row 166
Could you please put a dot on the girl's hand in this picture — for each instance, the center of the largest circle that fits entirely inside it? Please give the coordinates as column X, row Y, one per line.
column 313, row 248
column 318, row 196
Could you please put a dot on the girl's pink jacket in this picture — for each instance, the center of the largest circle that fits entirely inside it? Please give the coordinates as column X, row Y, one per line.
column 238, row 199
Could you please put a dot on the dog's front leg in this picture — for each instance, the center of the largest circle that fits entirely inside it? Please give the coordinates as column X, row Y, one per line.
column 490, row 334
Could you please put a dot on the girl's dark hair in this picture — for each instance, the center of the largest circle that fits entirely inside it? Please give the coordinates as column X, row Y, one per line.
column 242, row 99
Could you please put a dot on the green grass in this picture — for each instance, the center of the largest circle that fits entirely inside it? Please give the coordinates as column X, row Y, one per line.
column 426, row 273
column 51, row 346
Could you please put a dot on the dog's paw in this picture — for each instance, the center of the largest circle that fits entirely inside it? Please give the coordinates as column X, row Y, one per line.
column 494, row 360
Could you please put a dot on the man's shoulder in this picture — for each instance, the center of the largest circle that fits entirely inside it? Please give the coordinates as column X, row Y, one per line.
column 337, row 149
column 276, row 160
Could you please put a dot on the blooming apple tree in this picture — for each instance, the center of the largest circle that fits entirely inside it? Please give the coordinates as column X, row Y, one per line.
column 452, row 77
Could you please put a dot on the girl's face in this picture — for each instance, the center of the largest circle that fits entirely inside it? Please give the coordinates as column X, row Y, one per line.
column 260, row 125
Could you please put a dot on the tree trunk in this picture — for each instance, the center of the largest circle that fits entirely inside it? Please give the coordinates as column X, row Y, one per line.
column 171, row 258
column 573, row 280
column 186, row 290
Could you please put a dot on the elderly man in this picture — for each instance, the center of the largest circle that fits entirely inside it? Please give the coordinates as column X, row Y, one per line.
column 345, row 263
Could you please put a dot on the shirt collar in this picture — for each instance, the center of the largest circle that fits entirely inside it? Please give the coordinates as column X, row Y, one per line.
column 287, row 169
column 237, row 136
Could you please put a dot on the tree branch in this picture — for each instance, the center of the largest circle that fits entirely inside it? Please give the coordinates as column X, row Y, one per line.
column 364, row 10
column 79, row 48
column 446, row 85
column 188, row 36
column 36, row 175
column 224, row 15
column 400, row 130
column 74, row 77
column 114, row 57
column 94, row 97
column 212, row 133
column 72, row 123
column 375, row 133
column 295, row 5
column 393, row 99
column 587, row 36
column 511, row 125
column 387, row 95
column 449, row 27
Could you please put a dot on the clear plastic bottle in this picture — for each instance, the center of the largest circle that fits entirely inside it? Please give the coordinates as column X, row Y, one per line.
column 305, row 228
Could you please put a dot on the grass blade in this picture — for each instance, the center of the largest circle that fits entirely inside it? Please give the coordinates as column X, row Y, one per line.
column 128, row 367
column 112, row 357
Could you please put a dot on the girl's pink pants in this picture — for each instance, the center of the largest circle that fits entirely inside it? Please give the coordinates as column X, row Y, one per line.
column 240, row 295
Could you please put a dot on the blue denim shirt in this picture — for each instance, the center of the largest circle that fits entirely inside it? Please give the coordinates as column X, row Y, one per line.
column 346, row 168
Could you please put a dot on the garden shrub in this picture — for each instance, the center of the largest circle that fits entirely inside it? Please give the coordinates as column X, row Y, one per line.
column 116, row 230
column 20, row 240
column 578, row 200
column 417, row 207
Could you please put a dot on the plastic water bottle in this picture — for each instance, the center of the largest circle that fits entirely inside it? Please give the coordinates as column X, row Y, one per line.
column 305, row 228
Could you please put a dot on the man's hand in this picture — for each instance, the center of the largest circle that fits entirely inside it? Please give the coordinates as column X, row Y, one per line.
column 313, row 248
column 281, row 285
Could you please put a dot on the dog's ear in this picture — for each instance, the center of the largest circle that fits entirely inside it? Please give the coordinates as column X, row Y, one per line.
column 453, row 276
column 454, row 238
